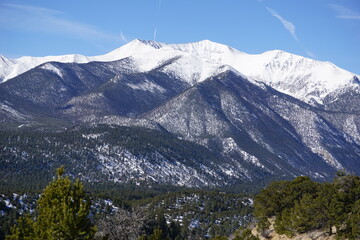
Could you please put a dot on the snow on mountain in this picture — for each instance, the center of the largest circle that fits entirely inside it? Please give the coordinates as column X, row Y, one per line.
column 198, row 92
column 4, row 61
column 23, row 64
column 306, row 79
column 5, row 64
column 300, row 77
column 303, row 78
column 53, row 69
column 138, row 49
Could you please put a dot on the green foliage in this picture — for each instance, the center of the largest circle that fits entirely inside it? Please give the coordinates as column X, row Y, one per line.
column 220, row 238
column 245, row 234
column 219, row 213
column 62, row 213
column 302, row 205
column 202, row 213
column 24, row 230
column 353, row 222
column 304, row 215
column 158, row 234
column 269, row 202
column 283, row 223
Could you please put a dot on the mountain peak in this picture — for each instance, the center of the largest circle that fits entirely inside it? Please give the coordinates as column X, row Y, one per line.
column 136, row 46
column 203, row 48
column 4, row 61
column 141, row 43
column 300, row 77
column 2, row 57
column 154, row 44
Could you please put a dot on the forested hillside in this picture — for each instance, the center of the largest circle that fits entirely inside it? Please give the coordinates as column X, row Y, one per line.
column 103, row 153
column 166, row 212
column 302, row 205
column 120, row 211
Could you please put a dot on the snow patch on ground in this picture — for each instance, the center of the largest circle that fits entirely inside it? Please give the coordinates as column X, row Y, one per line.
column 147, row 86
column 92, row 136
column 11, row 112
column 229, row 145
column 120, row 165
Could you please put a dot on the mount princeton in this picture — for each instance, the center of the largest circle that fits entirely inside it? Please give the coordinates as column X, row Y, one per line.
column 194, row 114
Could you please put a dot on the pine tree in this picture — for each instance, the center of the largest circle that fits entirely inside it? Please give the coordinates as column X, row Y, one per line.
column 23, row 230
column 354, row 221
column 157, row 235
column 62, row 213
column 305, row 206
column 305, row 215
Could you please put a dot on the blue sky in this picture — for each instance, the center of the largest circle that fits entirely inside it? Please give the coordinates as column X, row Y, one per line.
column 321, row 29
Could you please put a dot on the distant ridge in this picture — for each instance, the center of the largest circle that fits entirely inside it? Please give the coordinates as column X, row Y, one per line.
column 262, row 116
column 306, row 79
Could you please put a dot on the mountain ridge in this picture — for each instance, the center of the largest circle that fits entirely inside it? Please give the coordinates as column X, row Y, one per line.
column 286, row 72
column 196, row 93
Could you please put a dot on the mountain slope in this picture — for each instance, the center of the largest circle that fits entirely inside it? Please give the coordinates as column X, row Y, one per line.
column 126, row 94
column 230, row 104
column 44, row 88
column 279, row 133
column 77, row 91
column 306, row 79
column 102, row 153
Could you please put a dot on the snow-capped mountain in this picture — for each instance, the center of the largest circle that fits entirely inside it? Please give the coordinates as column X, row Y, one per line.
column 266, row 115
column 303, row 78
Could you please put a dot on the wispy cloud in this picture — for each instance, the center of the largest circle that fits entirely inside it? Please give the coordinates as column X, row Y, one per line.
column 36, row 10
column 49, row 21
column 155, row 34
column 310, row 53
column 287, row 24
column 290, row 27
column 343, row 12
column 157, row 13
column 123, row 37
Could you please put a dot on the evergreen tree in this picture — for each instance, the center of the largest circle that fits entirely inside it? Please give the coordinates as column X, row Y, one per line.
column 62, row 213
column 283, row 224
column 305, row 214
column 244, row 234
column 354, row 221
column 174, row 230
column 24, row 230
column 301, row 205
column 156, row 235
